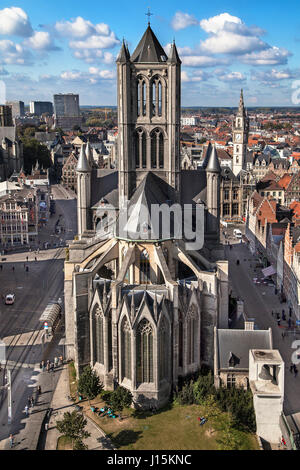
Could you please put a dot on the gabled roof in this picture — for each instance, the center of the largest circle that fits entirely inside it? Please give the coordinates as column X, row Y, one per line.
column 149, row 49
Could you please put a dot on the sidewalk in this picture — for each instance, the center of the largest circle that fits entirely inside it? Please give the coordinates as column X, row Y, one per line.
column 60, row 405
column 260, row 300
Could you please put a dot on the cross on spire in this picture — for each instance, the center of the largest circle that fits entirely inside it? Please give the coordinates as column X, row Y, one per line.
column 149, row 14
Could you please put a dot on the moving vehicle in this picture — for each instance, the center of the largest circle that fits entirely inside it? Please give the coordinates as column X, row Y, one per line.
column 237, row 233
column 10, row 299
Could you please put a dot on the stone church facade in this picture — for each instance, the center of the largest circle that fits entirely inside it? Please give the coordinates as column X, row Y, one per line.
column 141, row 310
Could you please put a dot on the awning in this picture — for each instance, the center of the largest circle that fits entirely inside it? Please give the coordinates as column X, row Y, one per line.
column 51, row 314
column 269, row 271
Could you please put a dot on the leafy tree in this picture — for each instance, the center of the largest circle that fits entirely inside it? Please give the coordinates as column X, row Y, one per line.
column 33, row 151
column 73, row 427
column 89, row 384
column 186, row 395
column 29, row 132
column 121, row 398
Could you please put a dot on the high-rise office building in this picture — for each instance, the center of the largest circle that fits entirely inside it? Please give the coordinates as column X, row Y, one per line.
column 66, row 111
column 66, row 105
column 17, row 108
column 40, row 107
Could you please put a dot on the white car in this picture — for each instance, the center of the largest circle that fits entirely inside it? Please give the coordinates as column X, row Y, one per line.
column 10, row 299
column 237, row 233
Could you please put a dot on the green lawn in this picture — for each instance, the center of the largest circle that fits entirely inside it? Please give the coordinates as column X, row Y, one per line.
column 175, row 428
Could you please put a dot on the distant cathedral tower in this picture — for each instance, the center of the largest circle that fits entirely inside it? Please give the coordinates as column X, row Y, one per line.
column 149, row 85
column 240, row 132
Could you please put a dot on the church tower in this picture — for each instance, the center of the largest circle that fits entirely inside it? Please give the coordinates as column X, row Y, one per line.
column 240, row 132
column 149, row 89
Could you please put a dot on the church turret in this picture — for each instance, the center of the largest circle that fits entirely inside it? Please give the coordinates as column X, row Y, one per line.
column 173, row 56
column 240, row 132
column 213, row 176
column 83, row 192
column 124, row 55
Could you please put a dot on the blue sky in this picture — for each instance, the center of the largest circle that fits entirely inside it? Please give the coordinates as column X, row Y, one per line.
column 71, row 46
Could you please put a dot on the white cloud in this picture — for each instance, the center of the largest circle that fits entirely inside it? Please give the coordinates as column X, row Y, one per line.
column 183, row 20
column 203, row 61
column 230, row 43
column 11, row 53
column 105, row 74
column 270, row 56
column 41, row 41
column 274, row 75
column 14, row 21
column 71, row 75
column 197, row 76
column 96, row 42
column 216, row 23
column 79, row 28
column 232, row 77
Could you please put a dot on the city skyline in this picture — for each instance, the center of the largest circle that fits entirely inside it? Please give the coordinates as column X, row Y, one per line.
column 222, row 50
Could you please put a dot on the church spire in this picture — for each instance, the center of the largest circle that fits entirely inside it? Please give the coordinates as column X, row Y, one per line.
column 124, row 55
column 173, row 56
column 83, row 164
column 241, row 111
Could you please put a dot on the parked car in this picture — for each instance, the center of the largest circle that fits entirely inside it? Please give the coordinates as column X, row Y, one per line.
column 10, row 299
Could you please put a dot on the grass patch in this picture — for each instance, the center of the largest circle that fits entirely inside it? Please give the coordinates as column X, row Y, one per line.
column 175, row 427
column 64, row 443
column 72, row 380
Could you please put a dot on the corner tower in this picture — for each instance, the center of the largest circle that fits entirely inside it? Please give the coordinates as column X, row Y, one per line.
column 149, row 89
column 240, row 133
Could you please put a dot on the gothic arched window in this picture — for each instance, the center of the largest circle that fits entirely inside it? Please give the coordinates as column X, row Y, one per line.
column 191, row 334
column 144, row 352
column 140, row 149
column 157, row 149
column 145, row 267
column 156, row 97
column 126, row 349
column 163, row 345
column 141, row 96
column 98, row 334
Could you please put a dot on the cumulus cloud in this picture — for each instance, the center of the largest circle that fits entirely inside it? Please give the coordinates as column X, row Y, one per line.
column 88, row 40
column 269, row 56
column 203, row 61
column 94, row 75
column 197, row 76
column 15, row 22
column 274, row 75
column 183, row 20
column 231, row 77
column 41, row 41
column 11, row 53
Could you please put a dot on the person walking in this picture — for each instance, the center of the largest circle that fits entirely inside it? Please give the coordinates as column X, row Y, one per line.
column 290, row 323
column 48, row 367
column 43, row 365
column 32, row 402
column 55, row 362
column 278, row 321
column 52, row 366
column 11, row 441
column 27, row 410
column 291, row 367
column 39, row 389
column 295, row 371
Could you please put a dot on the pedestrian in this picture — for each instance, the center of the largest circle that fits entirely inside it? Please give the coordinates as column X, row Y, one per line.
column 290, row 323
column 27, row 258
column 295, row 371
column 43, row 365
column 52, row 366
column 13, row 268
column 32, row 402
column 291, row 367
column 26, row 410
column 61, row 360
column 39, row 389
column 11, row 441
column 278, row 321
column 48, row 367
column 283, row 441
column 35, row 259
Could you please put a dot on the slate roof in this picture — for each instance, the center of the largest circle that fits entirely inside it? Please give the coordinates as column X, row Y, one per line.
column 239, row 342
column 105, row 185
column 149, row 49
column 193, row 186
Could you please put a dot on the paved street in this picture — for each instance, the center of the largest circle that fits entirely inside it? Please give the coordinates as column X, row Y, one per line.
column 19, row 324
column 260, row 300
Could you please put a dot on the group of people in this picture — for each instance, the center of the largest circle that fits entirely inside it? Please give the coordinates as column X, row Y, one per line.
column 50, row 366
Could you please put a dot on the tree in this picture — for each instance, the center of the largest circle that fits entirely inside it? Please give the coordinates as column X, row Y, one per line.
column 121, row 398
column 73, row 426
column 89, row 384
column 33, row 151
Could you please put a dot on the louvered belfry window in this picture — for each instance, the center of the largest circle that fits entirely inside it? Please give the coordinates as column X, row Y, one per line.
column 144, row 352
